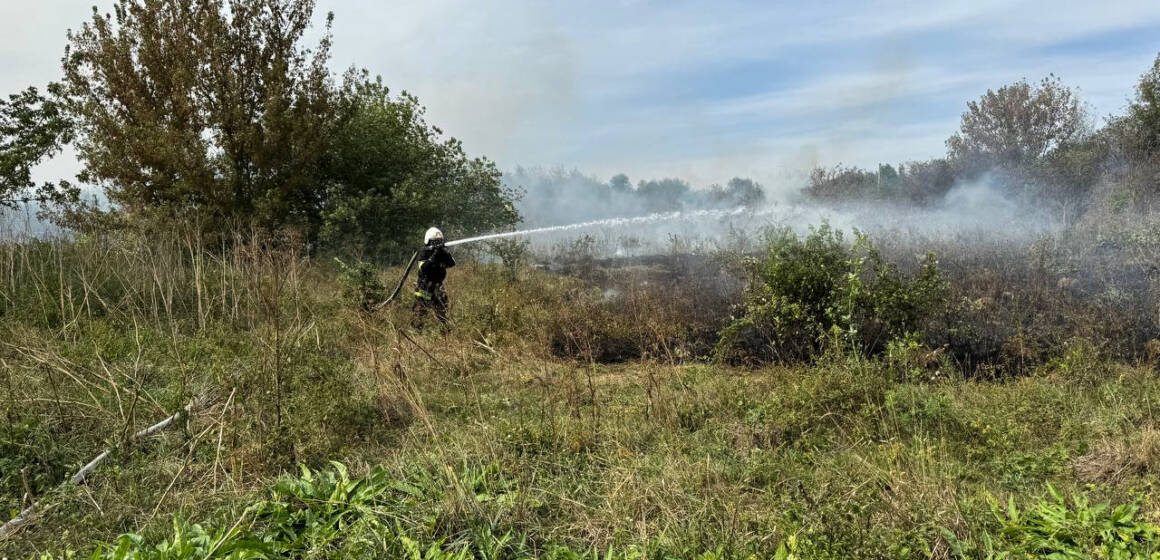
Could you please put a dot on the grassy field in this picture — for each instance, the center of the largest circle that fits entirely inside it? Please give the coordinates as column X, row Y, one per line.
column 566, row 414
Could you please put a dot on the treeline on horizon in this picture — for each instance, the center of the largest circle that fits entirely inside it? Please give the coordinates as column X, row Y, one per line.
column 1034, row 142
column 562, row 196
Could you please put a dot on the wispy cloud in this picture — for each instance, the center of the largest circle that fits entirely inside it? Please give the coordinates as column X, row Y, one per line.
column 644, row 86
column 700, row 90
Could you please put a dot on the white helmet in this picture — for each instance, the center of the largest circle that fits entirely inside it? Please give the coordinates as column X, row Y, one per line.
column 432, row 233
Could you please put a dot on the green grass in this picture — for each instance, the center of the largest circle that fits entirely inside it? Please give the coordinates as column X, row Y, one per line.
column 676, row 461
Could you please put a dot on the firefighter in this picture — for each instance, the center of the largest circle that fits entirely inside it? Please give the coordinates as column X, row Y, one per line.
column 434, row 260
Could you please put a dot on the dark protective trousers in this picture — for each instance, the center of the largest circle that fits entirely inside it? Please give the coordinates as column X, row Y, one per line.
column 430, row 298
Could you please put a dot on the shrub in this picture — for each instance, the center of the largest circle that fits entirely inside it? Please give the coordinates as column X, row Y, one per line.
column 1082, row 363
column 513, row 253
column 361, row 285
column 808, row 288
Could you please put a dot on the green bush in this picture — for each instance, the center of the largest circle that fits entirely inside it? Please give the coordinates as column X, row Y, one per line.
column 513, row 253
column 1082, row 362
column 361, row 284
column 808, row 289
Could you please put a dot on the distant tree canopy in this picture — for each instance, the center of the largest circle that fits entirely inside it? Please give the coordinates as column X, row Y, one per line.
column 1144, row 111
column 738, row 192
column 1030, row 140
column 215, row 111
column 920, row 182
column 1016, row 126
column 558, row 196
column 662, row 195
column 1134, row 139
column 32, row 127
column 620, row 183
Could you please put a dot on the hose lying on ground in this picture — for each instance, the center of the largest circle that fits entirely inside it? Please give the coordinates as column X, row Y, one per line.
column 23, row 517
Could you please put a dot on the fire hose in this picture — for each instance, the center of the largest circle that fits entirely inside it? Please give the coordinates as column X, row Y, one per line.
column 403, row 280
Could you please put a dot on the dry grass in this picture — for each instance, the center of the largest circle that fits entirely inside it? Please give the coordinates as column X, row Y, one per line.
column 1112, row 461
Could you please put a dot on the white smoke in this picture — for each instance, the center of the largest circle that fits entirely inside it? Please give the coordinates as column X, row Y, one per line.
column 552, row 201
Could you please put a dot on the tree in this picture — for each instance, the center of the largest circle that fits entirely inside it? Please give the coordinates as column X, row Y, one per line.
column 32, row 127
column 1134, row 141
column 390, row 175
column 1016, row 126
column 1145, row 111
column 841, row 183
column 664, row 195
column 203, row 107
column 925, row 182
column 620, row 184
column 738, row 192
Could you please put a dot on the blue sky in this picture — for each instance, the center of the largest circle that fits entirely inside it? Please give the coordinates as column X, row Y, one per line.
column 698, row 90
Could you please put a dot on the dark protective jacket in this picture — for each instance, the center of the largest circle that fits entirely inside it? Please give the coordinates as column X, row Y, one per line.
column 434, row 260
